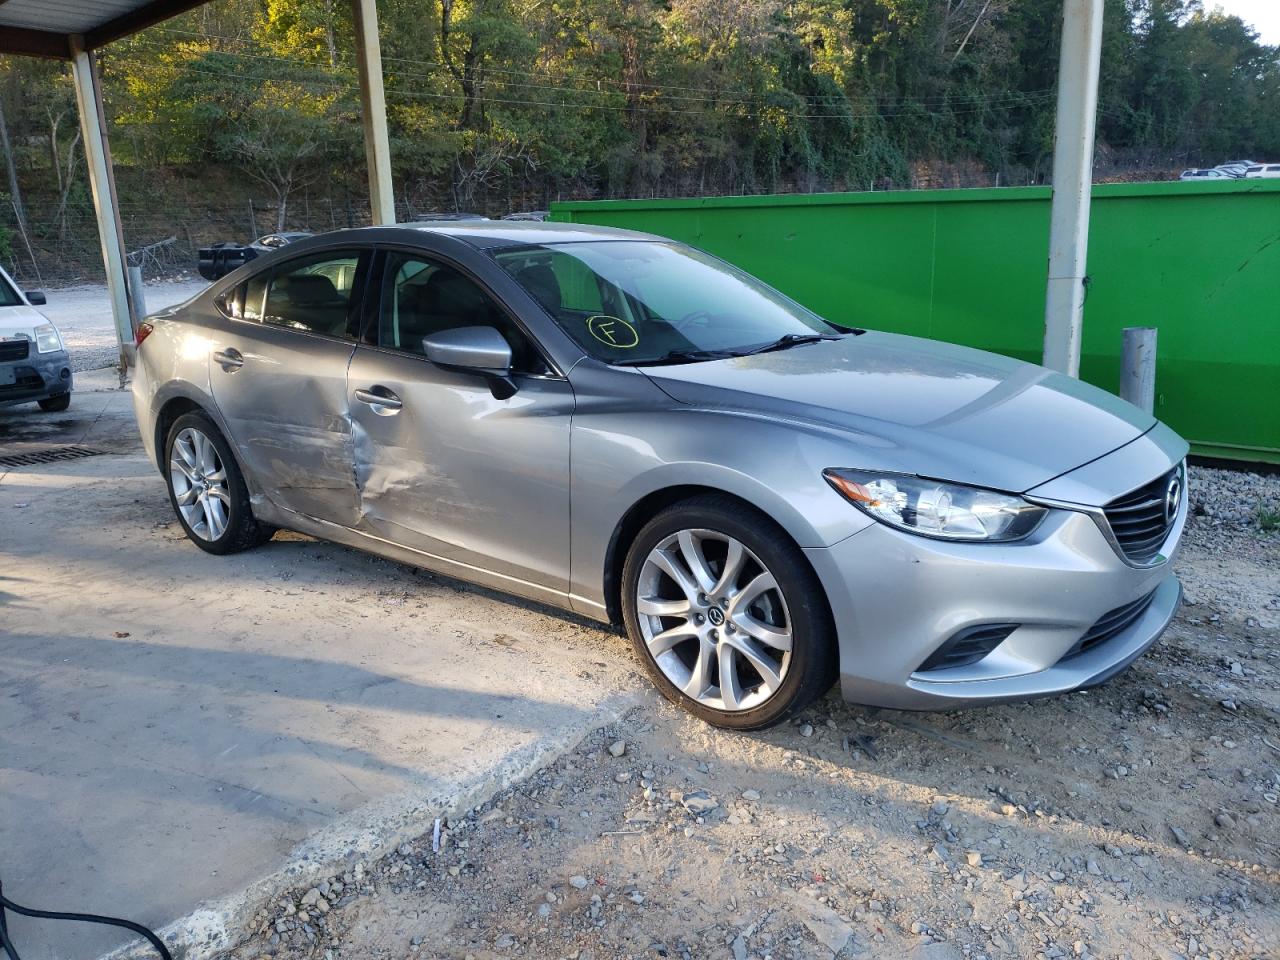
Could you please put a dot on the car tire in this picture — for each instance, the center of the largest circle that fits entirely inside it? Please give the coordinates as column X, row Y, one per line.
column 213, row 505
column 796, row 614
column 55, row 404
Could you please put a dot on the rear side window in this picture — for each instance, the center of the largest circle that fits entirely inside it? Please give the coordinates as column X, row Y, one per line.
column 318, row 294
column 321, row 293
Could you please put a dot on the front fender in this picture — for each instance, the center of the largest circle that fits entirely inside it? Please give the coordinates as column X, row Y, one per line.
column 623, row 453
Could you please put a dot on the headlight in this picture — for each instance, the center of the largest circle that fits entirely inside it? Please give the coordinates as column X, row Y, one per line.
column 47, row 339
column 937, row 509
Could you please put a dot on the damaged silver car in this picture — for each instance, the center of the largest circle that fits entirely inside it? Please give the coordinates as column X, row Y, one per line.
column 628, row 428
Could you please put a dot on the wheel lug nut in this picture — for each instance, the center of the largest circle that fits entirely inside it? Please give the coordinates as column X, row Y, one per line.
column 715, row 635
column 699, row 618
column 729, row 628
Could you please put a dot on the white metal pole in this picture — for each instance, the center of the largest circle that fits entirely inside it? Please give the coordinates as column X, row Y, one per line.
column 1138, row 367
column 373, row 104
column 1080, row 60
column 93, row 131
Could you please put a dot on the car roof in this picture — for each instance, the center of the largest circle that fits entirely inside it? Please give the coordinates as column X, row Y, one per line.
column 481, row 234
column 502, row 233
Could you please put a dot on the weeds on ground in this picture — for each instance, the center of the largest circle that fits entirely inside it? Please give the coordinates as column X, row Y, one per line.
column 1268, row 519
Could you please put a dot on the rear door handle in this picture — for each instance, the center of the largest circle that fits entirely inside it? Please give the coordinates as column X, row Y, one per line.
column 379, row 397
column 228, row 359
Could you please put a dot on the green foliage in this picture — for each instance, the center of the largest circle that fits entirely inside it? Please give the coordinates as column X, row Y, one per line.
column 1268, row 519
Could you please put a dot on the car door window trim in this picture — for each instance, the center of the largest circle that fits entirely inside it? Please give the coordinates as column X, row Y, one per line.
column 442, row 258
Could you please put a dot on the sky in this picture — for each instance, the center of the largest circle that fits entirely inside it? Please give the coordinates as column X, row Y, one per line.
column 1264, row 15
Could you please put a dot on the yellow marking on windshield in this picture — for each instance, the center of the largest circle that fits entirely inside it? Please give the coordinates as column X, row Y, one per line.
column 613, row 331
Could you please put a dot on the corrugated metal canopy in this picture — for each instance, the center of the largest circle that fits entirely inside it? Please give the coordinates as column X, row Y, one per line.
column 43, row 28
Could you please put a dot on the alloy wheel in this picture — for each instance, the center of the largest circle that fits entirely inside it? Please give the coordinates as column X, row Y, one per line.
column 199, row 481
column 714, row 620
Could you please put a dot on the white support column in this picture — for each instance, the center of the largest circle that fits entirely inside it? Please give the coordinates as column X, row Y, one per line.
column 93, row 132
column 1078, row 69
column 373, row 104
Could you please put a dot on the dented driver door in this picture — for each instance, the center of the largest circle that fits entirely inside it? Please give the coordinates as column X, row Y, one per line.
column 445, row 468
column 478, row 483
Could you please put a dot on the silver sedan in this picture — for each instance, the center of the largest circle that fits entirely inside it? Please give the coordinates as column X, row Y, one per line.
column 630, row 429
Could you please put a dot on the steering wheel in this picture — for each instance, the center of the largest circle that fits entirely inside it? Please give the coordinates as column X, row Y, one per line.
column 691, row 319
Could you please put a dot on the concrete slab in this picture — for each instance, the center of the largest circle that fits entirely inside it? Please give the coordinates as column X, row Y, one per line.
column 178, row 728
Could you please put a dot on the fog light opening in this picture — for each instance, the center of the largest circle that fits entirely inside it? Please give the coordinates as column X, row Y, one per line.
column 968, row 646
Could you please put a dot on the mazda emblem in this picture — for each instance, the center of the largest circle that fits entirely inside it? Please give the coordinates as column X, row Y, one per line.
column 1172, row 497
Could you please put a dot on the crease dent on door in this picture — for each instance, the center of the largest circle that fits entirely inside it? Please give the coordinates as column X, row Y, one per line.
column 299, row 456
column 387, row 468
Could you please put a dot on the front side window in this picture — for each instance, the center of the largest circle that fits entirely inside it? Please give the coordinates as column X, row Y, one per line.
column 637, row 301
column 421, row 296
column 8, row 295
column 318, row 294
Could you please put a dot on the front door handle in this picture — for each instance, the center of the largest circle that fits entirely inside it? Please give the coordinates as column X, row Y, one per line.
column 229, row 359
column 379, row 397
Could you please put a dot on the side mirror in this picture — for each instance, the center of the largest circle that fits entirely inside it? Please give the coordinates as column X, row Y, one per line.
column 35, row 297
column 481, row 350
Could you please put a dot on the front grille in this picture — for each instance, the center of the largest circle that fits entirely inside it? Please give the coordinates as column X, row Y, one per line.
column 1109, row 625
column 18, row 349
column 25, row 380
column 1140, row 521
column 968, row 646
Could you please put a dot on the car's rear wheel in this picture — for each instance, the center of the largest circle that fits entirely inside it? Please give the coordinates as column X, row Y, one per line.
column 727, row 615
column 207, row 490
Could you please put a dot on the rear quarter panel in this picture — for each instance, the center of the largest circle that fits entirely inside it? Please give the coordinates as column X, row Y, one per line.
column 172, row 363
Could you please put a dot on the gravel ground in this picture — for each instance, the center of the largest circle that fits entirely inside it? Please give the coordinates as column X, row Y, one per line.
column 82, row 315
column 1137, row 820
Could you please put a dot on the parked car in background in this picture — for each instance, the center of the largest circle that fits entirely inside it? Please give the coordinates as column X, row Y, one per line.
column 1207, row 173
column 437, row 217
column 1235, row 168
column 1263, row 171
column 220, row 259
column 631, row 429
column 34, row 364
column 533, row 215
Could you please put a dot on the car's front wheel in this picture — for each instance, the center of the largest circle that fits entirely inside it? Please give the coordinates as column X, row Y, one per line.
column 727, row 615
column 207, row 489
column 55, row 404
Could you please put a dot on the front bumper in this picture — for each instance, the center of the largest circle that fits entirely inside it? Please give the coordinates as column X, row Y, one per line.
column 39, row 377
column 897, row 598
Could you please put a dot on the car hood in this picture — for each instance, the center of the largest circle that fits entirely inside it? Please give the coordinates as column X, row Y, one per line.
column 20, row 321
column 921, row 406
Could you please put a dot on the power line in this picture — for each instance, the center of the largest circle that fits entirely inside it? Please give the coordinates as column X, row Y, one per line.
column 763, row 108
column 596, row 82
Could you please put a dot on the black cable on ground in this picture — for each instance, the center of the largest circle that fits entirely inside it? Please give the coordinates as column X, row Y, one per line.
column 6, row 942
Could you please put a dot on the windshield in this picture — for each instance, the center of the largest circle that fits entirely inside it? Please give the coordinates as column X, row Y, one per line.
column 8, row 296
column 636, row 301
